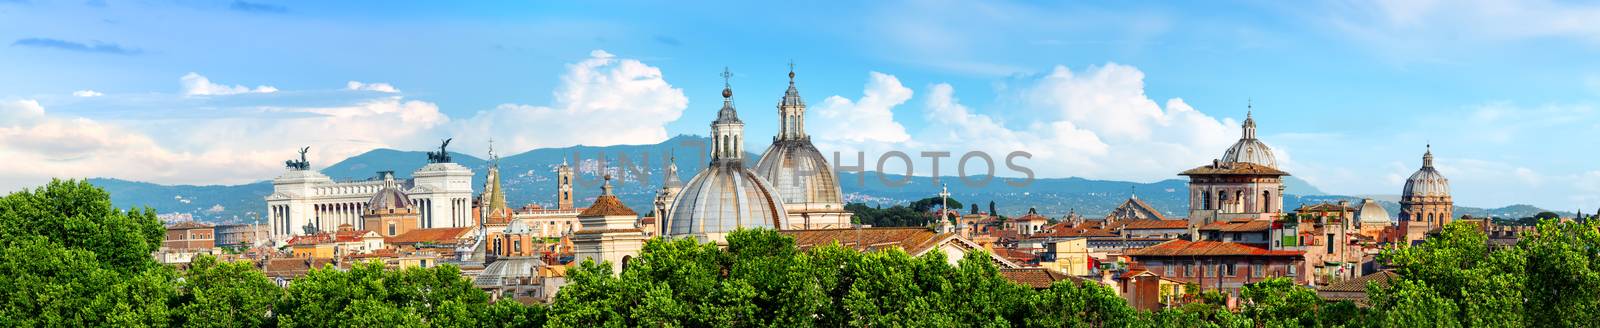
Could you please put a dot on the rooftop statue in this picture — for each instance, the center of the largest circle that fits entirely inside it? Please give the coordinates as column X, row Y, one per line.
column 440, row 156
column 300, row 165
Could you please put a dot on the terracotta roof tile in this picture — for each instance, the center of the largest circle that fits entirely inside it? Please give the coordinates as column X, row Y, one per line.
column 607, row 205
column 431, row 235
column 187, row 225
column 1239, row 226
column 1207, row 248
column 1359, row 284
column 1037, row 278
column 1155, row 224
column 1241, row 168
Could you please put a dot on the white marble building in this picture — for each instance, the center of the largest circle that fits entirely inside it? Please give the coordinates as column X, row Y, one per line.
column 301, row 197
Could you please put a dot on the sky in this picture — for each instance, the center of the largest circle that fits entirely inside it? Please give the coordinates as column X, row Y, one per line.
column 1349, row 94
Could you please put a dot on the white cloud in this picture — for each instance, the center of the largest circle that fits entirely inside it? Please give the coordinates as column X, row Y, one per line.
column 195, row 84
column 866, row 120
column 602, row 100
column 375, row 86
column 1095, row 123
column 87, row 93
column 247, row 147
column 19, row 111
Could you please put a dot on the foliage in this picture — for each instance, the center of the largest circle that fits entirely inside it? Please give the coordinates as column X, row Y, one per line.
column 367, row 294
column 894, row 216
column 224, row 294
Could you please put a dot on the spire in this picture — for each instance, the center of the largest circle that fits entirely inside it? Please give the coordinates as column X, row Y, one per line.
column 791, row 112
column 1427, row 157
column 605, row 190
column 671, row 180
column 727, row 132
column 1249, row 121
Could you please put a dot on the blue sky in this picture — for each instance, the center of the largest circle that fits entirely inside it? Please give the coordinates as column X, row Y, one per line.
column 1347, row 92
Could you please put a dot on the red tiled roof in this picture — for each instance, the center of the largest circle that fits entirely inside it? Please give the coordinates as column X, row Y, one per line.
column 1155, row 224
column 1014, row 255
column 292, row 267
column 1241, row 168
column 1037, row 278
column 187, row 225
column 1032, row 217
column 607, row 205
column 1239, row 226
column 432, row 235
column 1207, row 248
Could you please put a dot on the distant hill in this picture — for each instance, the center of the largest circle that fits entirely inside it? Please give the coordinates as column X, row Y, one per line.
column 529, row 179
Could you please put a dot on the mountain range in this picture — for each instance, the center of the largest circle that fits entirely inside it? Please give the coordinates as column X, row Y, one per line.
column 529, row 178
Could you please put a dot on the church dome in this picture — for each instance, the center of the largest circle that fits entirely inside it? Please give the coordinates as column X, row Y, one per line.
column 1249, row 149
column 1371, row 211
column 1427, row 182
column 724, row 198
column 390, row 199
column 799, row 173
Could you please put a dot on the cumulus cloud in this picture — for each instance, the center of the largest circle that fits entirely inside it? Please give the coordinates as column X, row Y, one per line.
column 247, row 147
column 195, row 84
column 375, row 86
column 1096, row 123
column 87, row 93
column 602, row 100
column 869, row 119
column 19, row 111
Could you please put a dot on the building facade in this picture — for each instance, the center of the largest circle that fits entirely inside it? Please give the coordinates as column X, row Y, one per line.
column 304, row 201
column 1425, row 204
column 1245, row 184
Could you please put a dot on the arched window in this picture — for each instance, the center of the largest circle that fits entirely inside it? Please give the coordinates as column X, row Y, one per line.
column 1266, row 201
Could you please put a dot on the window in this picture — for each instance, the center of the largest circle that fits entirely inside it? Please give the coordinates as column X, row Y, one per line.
column 1188, row 269
column 1291, row 270
column 1169, row 270
column 1257, row 270
column 1227, row 269
column 1211, row 271
column 1330, row 243
column 391, row 228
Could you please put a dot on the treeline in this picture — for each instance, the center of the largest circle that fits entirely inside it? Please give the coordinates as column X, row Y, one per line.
column 915, row 214
column 70, row 259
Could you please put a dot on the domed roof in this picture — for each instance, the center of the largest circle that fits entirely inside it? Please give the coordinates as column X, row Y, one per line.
column 799, row 173
column 1249, row 149
column 1427, row 181
column 1371, row 211
column 722, row 198
column 390, row 198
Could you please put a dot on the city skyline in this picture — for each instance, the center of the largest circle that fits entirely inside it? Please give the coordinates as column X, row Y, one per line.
column 1347, row 94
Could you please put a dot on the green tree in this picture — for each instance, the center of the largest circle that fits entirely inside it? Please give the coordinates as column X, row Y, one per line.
column 1278, row 302
column 1486, row 288
column 78, row 215
column 1562, row 286
column 68, row 258
column 368, row 294
column 224, row 294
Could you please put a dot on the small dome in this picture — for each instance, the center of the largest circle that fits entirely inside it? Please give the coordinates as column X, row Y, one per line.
column 722, row 198
column 390, row 198
column 1427, row 182
column 799, row 172
column 1249, row 149
column 1371, row 211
